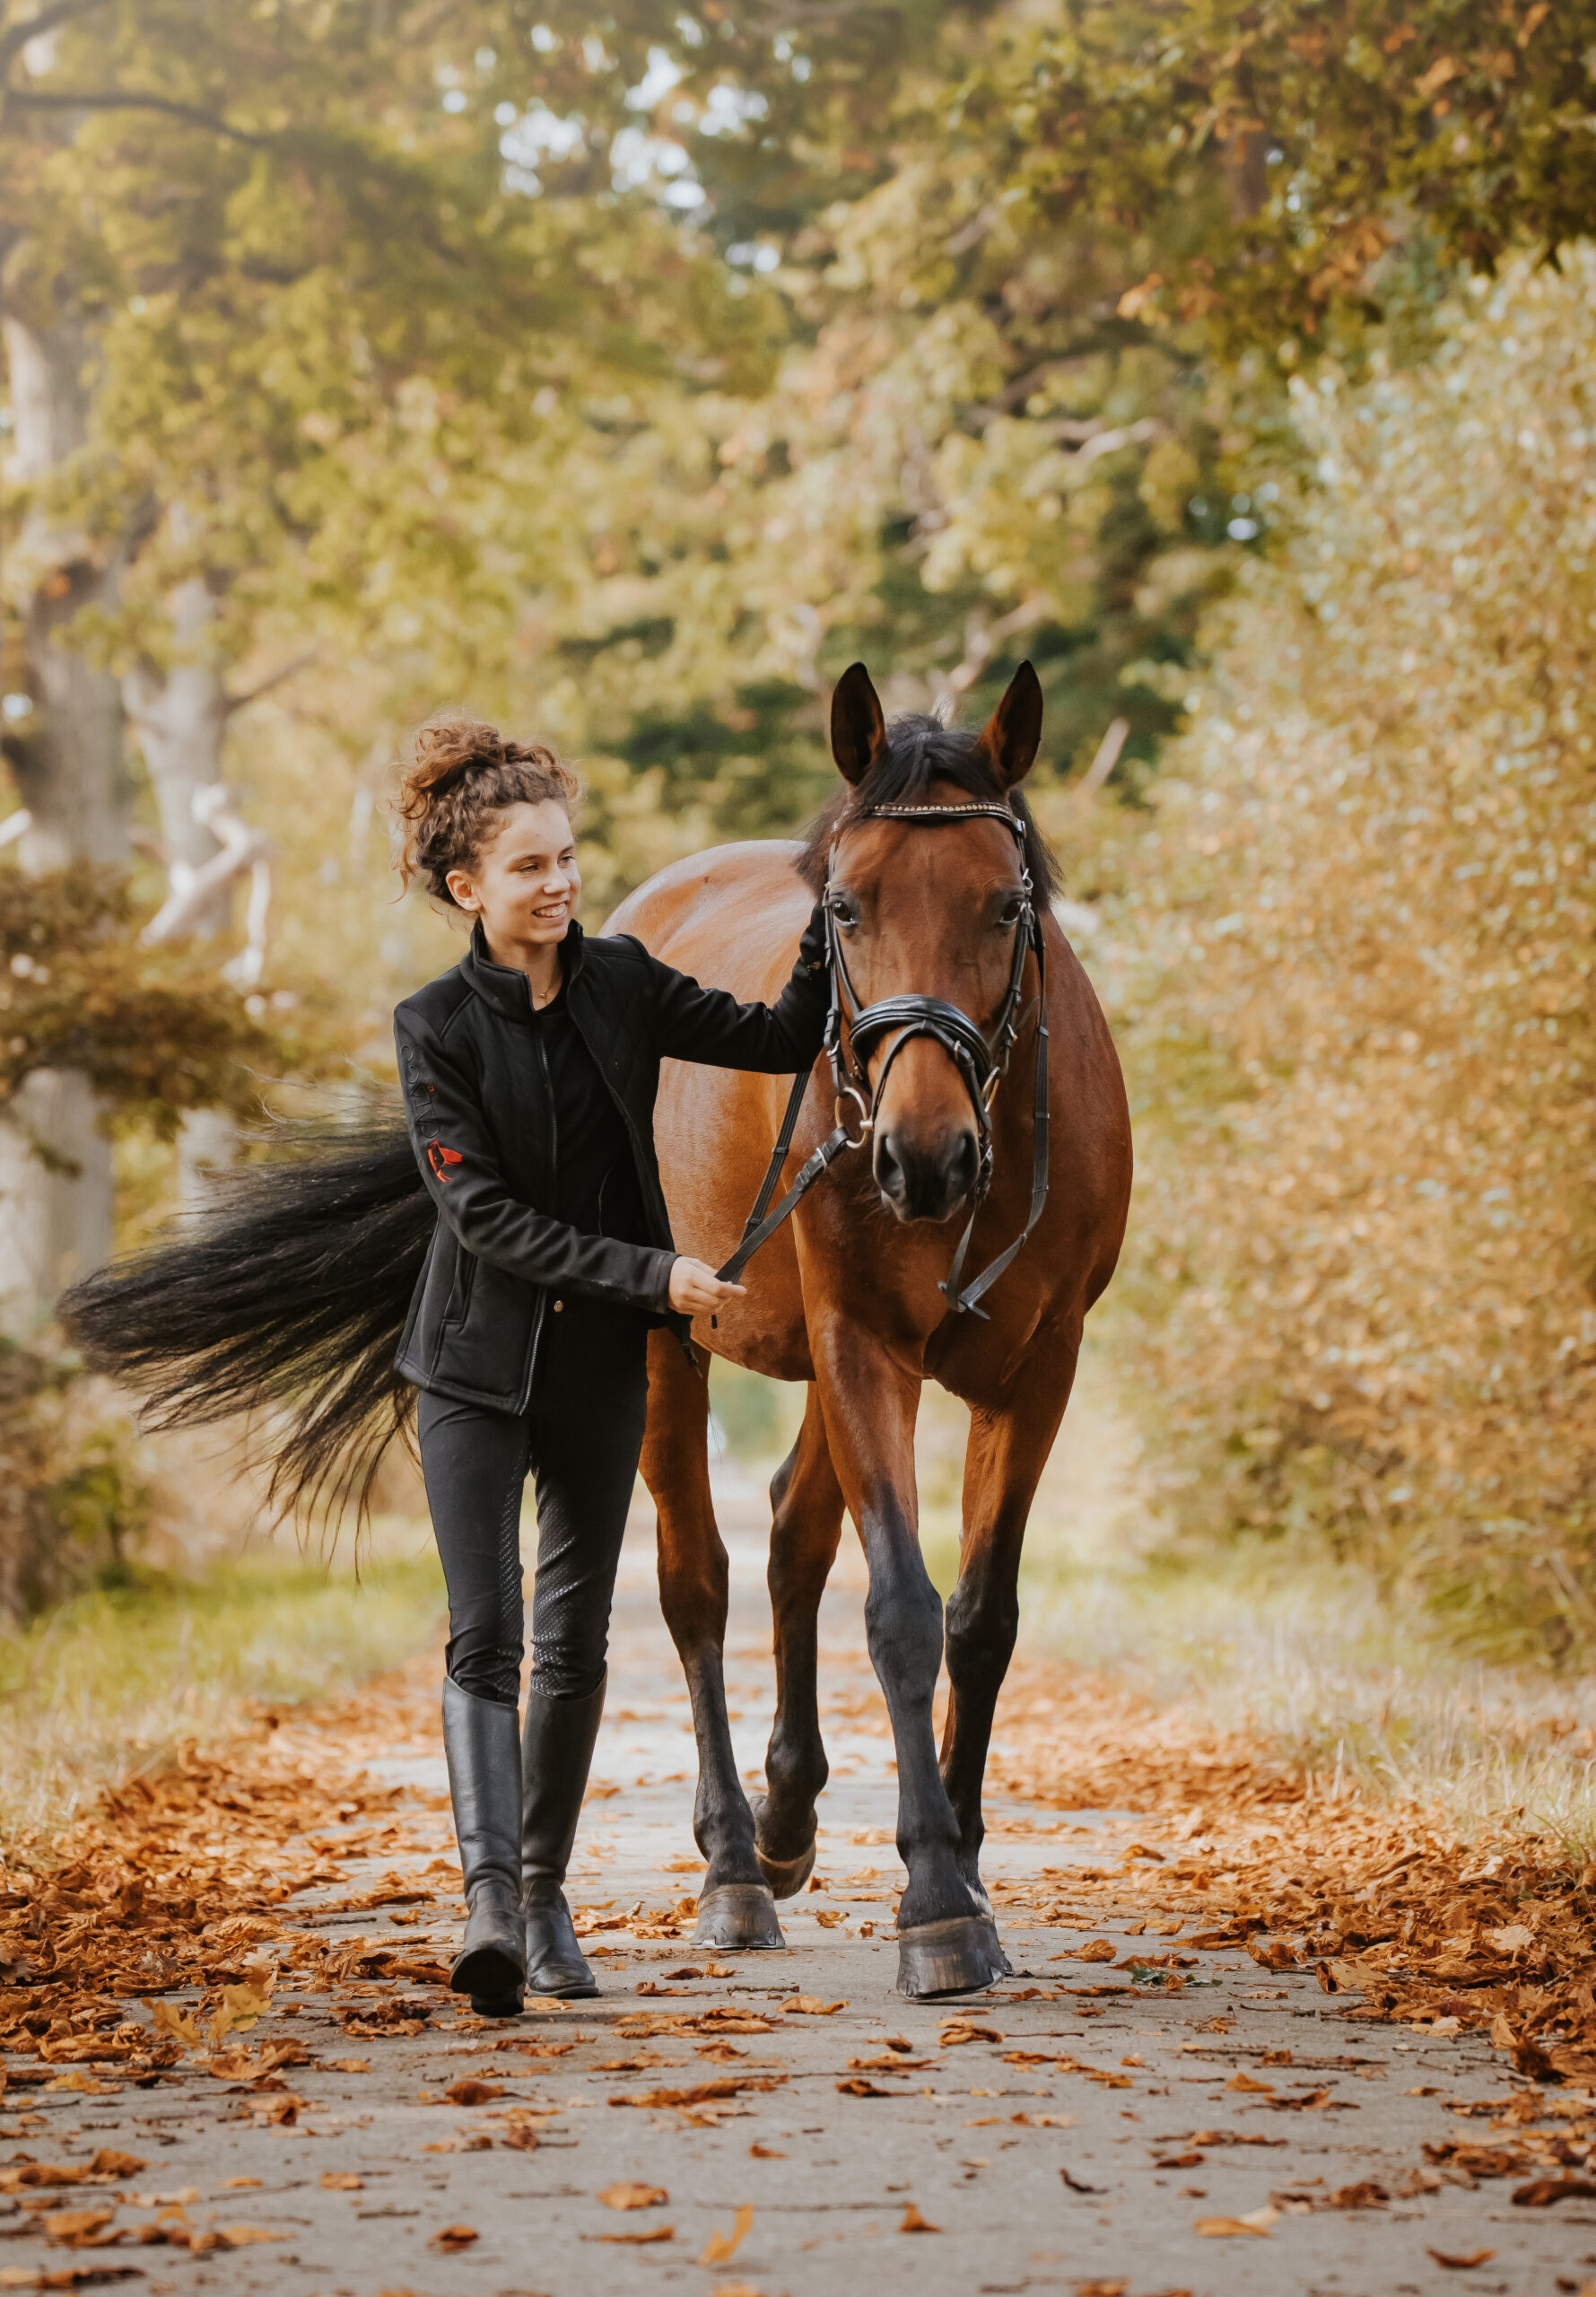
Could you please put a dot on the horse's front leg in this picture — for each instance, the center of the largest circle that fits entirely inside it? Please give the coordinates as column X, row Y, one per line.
column 805, row 1523
column 736, row 1910
column 869, row 1401
column 1009, row 1443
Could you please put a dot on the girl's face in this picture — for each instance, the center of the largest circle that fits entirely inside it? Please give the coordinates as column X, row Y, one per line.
column 525, row 883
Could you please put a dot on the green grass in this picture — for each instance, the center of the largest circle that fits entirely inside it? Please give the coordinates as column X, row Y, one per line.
column 112, row 1681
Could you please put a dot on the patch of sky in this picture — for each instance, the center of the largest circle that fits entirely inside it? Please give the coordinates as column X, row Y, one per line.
column 658, row 81
column 537, row 133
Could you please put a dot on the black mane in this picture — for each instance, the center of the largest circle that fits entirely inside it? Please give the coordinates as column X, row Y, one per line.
column 920, row 751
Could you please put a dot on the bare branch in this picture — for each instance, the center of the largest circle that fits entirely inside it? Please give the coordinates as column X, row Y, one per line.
column 290, row 669
column 116, row 99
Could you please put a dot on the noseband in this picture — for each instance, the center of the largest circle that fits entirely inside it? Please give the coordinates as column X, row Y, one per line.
column 982, row 1061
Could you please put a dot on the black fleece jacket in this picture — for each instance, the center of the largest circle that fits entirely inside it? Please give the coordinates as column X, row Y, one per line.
column 488, row 1113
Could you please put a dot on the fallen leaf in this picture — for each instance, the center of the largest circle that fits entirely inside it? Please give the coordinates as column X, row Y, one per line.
column 521, row 2137
column 1511, row 1939
column 962, row 2030
column 627, row 2194
column 72, row 2225
column 809, row 2005
column 911, row 2222
column 1245, row 2081
column 1367, row 2194
column 1541, row 2192
column 241, row 2237
column 722, row 2245
column 1179, row 2160
column 242, row 2005
column 350, row 2065
column 765, row 2152
column 470, row 2091
column 336, row 2181
column 1215, row 2229
column 1095, row 1950
column 175, row 2024
column 455, row 2237
column 1076, row 2185
column 636, row 2241
column 1461, row 2265
column 856, row 2086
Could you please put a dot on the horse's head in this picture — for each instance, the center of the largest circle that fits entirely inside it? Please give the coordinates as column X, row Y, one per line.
column 930, row 910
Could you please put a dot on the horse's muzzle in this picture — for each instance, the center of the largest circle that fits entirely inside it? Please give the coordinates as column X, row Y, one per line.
column 926, row 1180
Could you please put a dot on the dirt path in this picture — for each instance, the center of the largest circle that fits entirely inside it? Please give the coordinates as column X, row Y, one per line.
column 1145, row 2107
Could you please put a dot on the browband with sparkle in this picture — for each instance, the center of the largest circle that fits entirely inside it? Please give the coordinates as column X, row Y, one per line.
column 976, row 807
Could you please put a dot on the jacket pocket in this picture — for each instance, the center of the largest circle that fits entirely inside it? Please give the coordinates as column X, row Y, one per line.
column 459, row 1299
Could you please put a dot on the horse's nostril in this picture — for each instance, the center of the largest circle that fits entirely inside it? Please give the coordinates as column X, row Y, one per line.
column 889, row 1172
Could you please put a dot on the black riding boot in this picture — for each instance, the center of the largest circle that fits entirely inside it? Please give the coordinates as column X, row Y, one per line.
column 481, row 1741
column 555, row 1753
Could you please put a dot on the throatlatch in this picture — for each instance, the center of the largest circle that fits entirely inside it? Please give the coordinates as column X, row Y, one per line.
column 982, row 1061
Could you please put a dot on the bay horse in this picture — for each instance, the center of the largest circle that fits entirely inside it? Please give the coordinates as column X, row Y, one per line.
column 931, row 868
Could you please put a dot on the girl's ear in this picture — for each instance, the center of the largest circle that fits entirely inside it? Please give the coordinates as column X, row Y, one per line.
column 462, row 891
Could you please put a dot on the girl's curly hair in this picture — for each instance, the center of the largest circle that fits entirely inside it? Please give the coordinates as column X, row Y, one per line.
column 459, row 774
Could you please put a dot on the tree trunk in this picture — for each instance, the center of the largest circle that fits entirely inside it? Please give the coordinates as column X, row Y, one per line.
column 179, row 717
column 66, row 756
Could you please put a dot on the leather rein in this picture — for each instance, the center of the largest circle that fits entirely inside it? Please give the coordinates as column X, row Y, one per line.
column 982, row 1061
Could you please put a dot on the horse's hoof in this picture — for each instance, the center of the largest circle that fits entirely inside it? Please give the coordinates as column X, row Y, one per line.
column 959, row 1956
column 738, row 1918
column 1001, row 1965
column 786, row 1876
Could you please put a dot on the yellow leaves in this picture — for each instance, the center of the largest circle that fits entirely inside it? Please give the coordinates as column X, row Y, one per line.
column 1095, row 1950
column 809, row 2005
column 241, row 2007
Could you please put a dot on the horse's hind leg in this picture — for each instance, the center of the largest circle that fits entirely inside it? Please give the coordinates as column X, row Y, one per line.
column 735, row 1906
column 1008, row 1449
column 805, row 1523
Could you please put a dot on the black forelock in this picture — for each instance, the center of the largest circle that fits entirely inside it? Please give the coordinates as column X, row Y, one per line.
column 920, row 751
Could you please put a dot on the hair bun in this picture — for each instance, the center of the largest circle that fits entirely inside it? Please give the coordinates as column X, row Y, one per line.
column 443, row 752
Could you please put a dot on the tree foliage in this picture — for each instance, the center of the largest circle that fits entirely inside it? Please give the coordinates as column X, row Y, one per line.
column 1358, row 960
column 155, row 1031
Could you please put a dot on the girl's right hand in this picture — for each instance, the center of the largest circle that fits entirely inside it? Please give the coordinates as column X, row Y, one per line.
column 695, row 1289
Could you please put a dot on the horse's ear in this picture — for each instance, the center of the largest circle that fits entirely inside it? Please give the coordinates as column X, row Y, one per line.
column 1014, row 731
column 859, row 730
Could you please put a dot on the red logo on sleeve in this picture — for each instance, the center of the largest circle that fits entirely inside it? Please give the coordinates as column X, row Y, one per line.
column 438, row 1156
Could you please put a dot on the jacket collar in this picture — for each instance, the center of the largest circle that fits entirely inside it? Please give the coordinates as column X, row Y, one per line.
column 502, row 987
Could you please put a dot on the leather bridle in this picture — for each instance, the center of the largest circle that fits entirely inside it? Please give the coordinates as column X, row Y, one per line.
column 854, row 1032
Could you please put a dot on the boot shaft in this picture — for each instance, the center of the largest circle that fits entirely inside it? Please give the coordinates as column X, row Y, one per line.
column 557, row 1753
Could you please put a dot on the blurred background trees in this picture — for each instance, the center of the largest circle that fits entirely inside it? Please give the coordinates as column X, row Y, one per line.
column 626, row 376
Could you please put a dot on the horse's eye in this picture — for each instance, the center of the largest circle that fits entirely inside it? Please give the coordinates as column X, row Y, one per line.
column 1013, row 911
column 846, row 915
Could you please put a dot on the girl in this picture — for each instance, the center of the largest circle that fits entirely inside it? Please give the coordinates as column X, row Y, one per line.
column 528, row 1072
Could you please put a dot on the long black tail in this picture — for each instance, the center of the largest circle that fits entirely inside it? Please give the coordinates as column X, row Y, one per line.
column 285, row 1300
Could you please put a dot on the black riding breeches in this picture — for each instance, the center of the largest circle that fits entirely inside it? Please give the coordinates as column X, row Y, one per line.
column 580, row 1440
